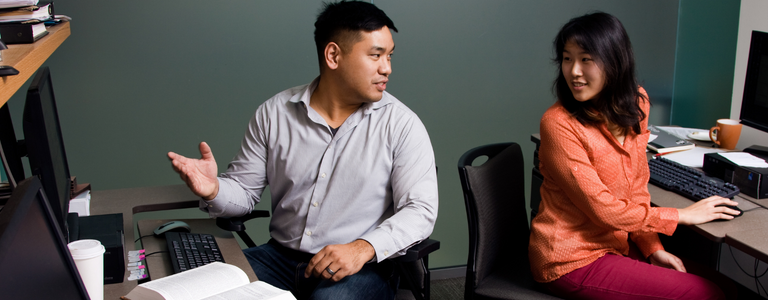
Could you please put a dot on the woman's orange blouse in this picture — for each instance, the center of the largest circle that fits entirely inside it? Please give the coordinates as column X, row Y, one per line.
column 594, row 196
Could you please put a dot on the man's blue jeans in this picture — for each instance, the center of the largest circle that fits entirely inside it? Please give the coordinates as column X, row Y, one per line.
column 284, row 268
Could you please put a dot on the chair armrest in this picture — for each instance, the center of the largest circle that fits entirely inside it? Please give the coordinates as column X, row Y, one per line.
column 419, row 251
column 166, row 206
column 238, row 223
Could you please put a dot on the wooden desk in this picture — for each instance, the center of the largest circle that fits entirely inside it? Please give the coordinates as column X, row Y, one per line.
column 715, row 231
column 136, row 200
column 752, row 242
column 27, row 58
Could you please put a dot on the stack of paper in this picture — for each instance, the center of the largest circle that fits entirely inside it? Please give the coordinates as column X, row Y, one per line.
column 745, row 159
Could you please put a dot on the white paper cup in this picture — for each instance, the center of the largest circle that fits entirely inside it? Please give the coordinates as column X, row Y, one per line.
column 89, row 258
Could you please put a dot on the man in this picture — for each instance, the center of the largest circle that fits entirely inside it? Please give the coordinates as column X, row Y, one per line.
column 350, row 168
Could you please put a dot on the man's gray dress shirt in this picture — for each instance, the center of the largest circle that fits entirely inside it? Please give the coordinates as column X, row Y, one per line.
column 375, row 179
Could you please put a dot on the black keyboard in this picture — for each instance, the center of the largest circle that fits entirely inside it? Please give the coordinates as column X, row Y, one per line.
column 689, row 182
column 192, row 250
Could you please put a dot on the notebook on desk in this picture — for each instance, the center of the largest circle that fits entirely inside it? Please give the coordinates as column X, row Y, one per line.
column 664, row 142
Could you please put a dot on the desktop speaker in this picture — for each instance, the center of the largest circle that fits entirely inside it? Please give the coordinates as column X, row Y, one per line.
column 751, row 181
column 108, row 229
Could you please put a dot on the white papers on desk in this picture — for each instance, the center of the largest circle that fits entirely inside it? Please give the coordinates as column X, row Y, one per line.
column 81, row 204
column 745, row 159
column 693, row 158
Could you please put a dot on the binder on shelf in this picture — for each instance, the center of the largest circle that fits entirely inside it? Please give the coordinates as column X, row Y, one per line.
column 14, row 33
column 666, row 142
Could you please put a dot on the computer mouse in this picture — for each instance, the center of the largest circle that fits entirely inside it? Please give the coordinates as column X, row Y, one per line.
column 741, row 212
column 8, row 70
column 175, row 226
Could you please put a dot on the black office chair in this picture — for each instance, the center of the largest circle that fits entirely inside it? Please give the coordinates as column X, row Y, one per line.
column 494, row 195
column 413, row 266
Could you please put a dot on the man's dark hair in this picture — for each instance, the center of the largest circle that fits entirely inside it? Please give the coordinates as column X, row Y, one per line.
column 342, row 22
column 604, row 38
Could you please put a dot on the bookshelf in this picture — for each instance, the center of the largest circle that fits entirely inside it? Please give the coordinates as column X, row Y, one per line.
column 27, row 58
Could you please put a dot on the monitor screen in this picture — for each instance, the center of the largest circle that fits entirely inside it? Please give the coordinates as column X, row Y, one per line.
column 10, row 152
column 33, row 254
column 754, row 105
column 45, row 146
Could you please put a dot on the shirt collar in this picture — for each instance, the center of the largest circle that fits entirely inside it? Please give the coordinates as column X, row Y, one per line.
column 368, row 108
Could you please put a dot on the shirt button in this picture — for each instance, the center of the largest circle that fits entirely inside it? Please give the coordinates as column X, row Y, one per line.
column 322, row 175
column 309, row 233
column 386, row 253
column 314, row 204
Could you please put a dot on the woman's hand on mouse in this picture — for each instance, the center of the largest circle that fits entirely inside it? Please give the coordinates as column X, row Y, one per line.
column 708, row 209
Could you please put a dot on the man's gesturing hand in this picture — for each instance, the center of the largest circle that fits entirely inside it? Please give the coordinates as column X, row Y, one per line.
column 343, row 260
column 199, row 174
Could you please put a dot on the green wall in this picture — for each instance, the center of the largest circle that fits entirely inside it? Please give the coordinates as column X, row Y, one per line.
column 704, row 64
column 139, row 78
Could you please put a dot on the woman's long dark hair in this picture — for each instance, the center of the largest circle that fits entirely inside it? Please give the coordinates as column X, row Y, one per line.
column 604, row 38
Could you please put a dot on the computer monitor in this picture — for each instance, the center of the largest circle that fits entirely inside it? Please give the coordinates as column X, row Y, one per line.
column 10, row 152
column 754, row 105
column 45, row 145
column 33, row 255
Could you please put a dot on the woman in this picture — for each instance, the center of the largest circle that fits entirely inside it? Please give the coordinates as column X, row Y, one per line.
column 595, row 236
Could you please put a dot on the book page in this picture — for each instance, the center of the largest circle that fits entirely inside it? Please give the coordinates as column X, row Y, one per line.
column 257, row 290
column 199, row 283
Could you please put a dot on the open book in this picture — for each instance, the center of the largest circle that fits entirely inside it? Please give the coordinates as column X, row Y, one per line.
column 213, row 281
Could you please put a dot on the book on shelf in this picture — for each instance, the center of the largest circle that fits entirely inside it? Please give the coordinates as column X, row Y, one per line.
column 665, row 142
column 212, row 281
column 34, row 13
column 17, row 3
column 15, row 33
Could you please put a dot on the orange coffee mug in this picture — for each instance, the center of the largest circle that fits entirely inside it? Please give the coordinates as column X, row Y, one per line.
column 728, row 133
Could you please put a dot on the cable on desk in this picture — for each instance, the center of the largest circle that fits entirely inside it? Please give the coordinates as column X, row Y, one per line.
column 745, row 199
column 156, row 252
column 758, row 284
column 141, row 237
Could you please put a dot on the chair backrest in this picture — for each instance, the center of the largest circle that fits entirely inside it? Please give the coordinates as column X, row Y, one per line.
column 494, row 195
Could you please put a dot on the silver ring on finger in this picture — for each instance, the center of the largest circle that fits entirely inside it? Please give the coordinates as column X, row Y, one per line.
column 328, row 269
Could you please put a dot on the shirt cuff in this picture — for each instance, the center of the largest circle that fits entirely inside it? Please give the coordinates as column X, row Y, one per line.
column 668, row 218
column 647, row 243
column 383, row 245
column 215, row 207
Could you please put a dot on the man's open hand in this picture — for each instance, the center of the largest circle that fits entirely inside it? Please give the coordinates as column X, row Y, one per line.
column 199, row 174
